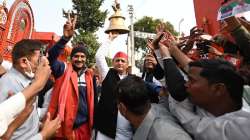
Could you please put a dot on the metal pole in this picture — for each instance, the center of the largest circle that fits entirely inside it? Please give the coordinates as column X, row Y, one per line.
column 182, row 19
column 132, row 43
column 129, row 49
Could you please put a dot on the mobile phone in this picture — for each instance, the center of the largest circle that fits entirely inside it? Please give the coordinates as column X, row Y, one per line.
column 42, row 51
column 157, row 40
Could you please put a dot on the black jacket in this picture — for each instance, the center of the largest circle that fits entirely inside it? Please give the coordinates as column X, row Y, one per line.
column 174, row 80
column 106, row 111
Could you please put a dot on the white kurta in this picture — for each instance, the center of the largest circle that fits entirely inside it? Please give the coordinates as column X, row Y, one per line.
column 9, row 109
column 101, row 63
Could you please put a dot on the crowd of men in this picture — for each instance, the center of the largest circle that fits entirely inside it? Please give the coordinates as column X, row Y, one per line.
column 179, row 96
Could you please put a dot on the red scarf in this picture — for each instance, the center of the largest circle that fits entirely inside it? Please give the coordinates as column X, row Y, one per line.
column 65, row 94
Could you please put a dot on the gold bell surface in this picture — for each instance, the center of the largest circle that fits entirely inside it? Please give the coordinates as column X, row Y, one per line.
column 117, row 21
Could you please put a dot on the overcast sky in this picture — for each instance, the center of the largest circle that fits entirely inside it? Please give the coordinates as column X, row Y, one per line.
column 48, row 13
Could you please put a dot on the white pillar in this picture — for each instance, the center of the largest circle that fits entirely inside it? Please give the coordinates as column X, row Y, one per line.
column 131, row 34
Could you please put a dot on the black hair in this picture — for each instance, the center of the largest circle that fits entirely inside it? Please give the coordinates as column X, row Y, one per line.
column 221, row 71
column 25, row 48
column 133, row 93
column 80, row 48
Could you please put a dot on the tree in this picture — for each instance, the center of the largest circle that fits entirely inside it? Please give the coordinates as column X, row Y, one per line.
column 89, row 19
column 148, row 24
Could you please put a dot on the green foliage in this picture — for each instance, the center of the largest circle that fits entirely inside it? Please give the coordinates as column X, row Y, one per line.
column 148, row 24
column 109, row 61
column 89, row 19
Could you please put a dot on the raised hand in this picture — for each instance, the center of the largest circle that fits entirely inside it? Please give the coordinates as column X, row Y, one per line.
column 155, row 42
column 113, row 35
column 168, row 40
column 195, row 31
column 163, row 36
column 160, row 28
column 69, row 26
column 150, row 45
column 42, row 73
column 168, row 37
column 50, row 127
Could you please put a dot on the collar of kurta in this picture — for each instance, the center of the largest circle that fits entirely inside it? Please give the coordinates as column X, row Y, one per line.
column 19, row 77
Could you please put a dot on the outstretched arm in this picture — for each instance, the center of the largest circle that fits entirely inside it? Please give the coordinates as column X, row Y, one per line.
column 101, row 53
column 239, row 30
column 57, row 67
column 15, row 104
column 174, row 79
column 68, row 31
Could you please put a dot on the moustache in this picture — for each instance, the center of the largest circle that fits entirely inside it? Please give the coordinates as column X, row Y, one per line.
column 79, row 61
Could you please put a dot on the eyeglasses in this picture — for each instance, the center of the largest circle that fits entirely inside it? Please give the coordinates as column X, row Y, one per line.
column 118, row 60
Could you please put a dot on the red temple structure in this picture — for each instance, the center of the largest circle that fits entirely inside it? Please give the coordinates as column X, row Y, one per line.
column 18, row 23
